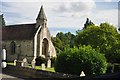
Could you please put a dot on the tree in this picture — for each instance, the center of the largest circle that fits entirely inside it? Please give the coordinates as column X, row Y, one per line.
column 2, row 21
column 84, row 58
column 103, row 38
column 88, row 23
column 70, row 38
column 57, row 43
column 63, row 40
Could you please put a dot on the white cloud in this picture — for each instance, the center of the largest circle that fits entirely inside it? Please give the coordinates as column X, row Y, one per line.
column 22, row 12
column 59, row 0
column 46, row 0
column 74, row 8
column 53, row 32
column 110, row 16
column 108, row 0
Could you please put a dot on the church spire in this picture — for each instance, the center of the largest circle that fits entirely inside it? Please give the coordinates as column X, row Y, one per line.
column 41, row 14
column 41, row 19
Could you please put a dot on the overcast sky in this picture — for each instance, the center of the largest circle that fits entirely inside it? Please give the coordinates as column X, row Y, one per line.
column 63, row 15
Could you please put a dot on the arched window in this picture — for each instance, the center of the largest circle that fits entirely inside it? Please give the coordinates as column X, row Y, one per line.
column 45, row 47
column 12, row 47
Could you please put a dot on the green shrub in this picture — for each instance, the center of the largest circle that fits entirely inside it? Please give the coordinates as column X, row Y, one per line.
column 84, row 58
column 53, row 61
column 39, row 60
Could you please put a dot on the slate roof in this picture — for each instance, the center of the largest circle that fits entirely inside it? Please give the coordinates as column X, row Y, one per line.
column 18, row 32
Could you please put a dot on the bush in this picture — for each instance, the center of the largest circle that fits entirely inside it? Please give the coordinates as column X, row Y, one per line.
column 39, row 60
column 84, row 58
column 53, row 61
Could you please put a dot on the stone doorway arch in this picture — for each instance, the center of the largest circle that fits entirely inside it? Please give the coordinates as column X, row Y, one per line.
column 45, row 47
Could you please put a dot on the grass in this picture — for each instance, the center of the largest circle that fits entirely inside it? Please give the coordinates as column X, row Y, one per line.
column 40, row 68
column 36, row 67
column 10, row 63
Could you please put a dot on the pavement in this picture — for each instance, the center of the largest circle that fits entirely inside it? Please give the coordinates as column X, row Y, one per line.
column 8, row 77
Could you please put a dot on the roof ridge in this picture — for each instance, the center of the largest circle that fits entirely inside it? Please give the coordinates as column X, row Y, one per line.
column 21, row 24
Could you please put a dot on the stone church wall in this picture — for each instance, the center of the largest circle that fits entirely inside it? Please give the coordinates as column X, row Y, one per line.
column 45, row 34
column 23, row 48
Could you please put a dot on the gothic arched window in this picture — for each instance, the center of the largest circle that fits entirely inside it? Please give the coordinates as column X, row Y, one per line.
column 12, row 47
column 45, row 47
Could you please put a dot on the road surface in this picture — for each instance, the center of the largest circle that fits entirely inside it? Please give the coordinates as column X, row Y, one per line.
column 8, row 77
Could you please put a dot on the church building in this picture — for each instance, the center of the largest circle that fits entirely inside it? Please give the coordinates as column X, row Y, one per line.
column 28, row 40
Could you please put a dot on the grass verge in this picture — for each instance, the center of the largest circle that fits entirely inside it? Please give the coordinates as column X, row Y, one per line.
column 36, row 67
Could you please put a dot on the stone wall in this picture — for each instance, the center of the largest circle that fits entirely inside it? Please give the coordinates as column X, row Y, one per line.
column 45, row 34
column 32, row 73
column 23, row 48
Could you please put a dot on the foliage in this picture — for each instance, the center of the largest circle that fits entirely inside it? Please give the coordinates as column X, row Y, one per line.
column 103, row 38
column 67, row 39
column 88, row 23
column 84, row 58
column 53, row 61
column 57, row 43
column 39, row 60
column 2, row 21
column 63, row 40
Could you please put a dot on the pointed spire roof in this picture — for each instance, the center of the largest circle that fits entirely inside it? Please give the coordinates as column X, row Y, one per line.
column 41, row 14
